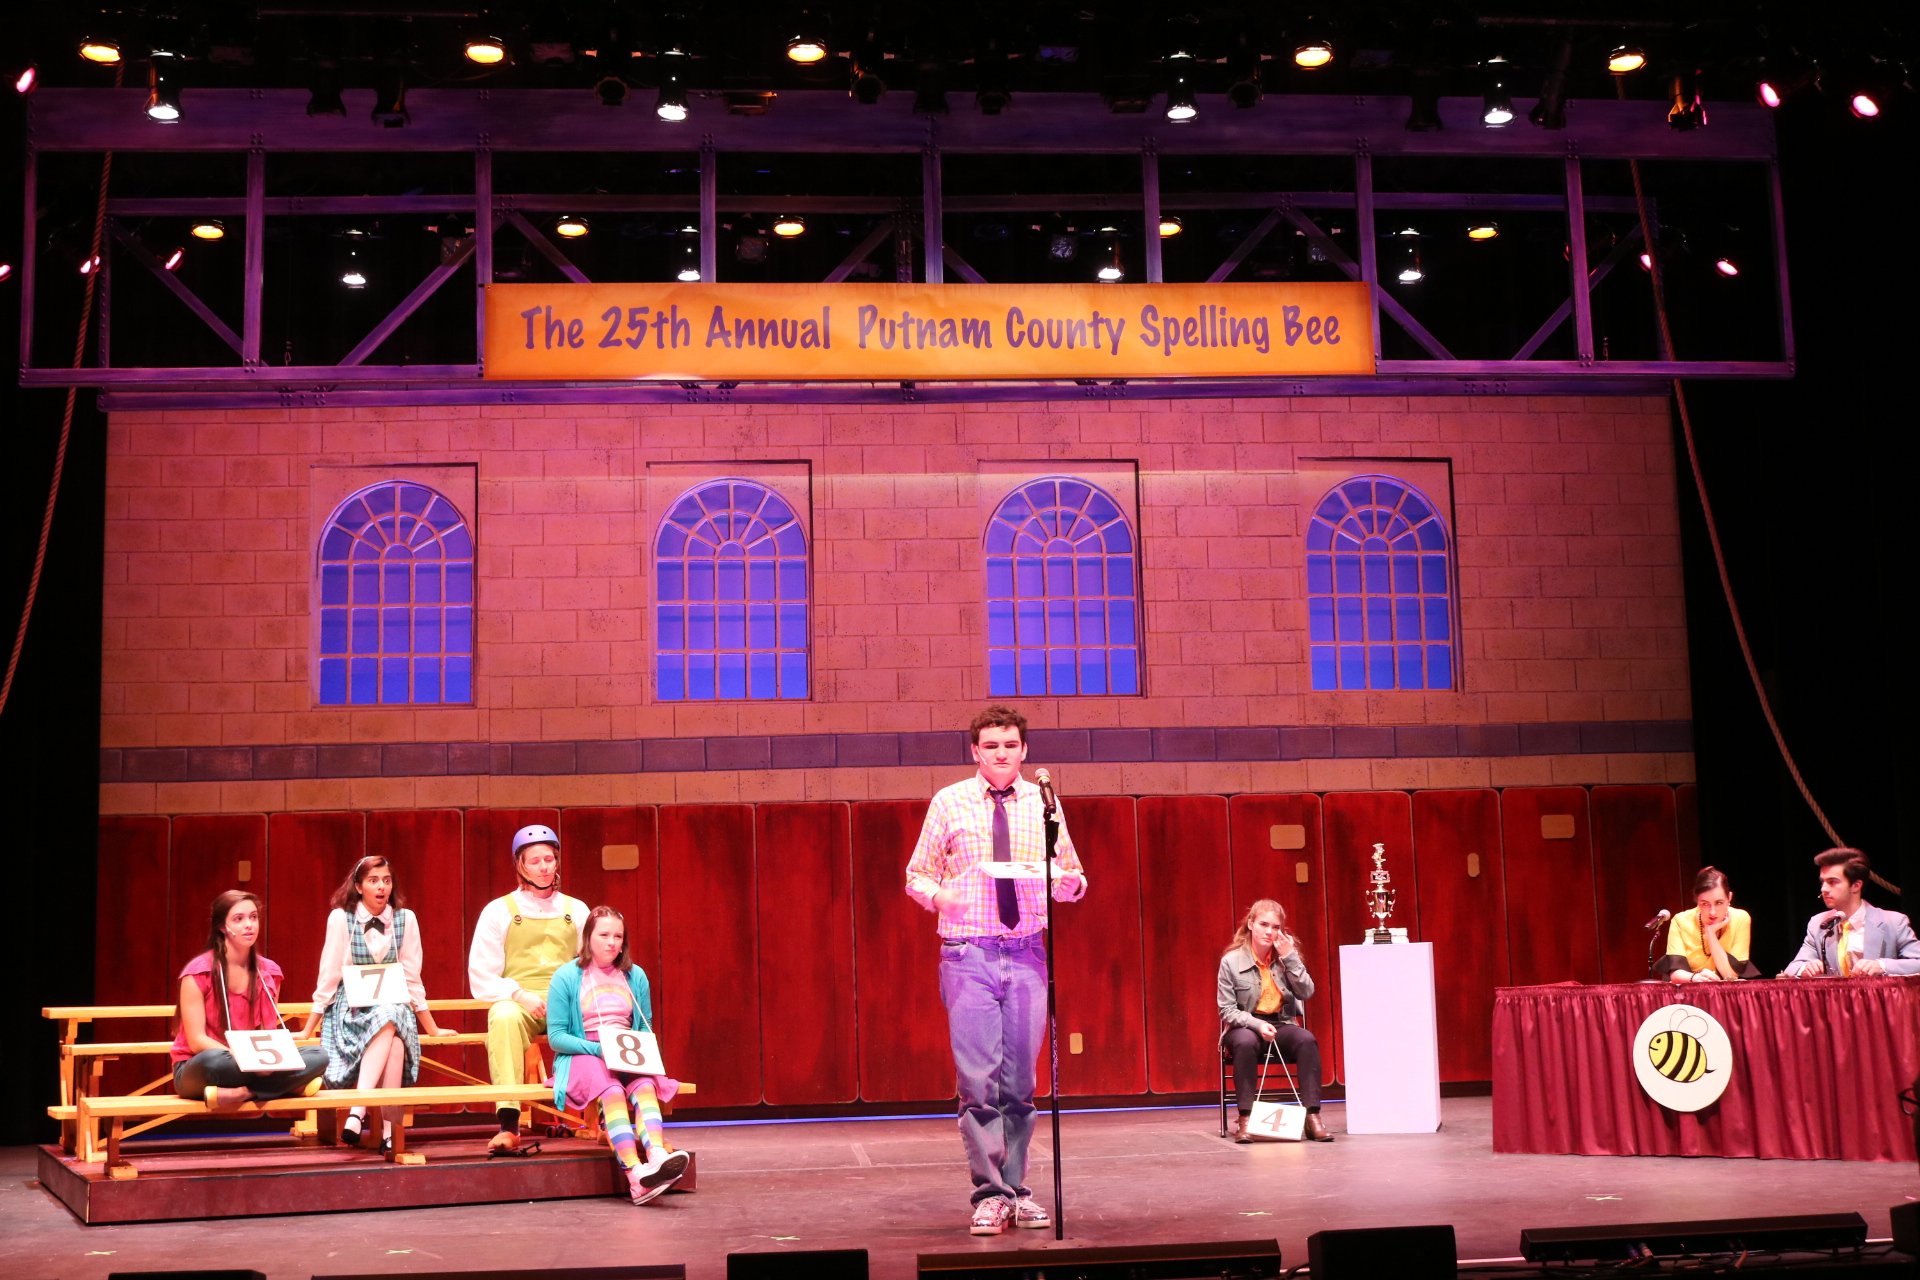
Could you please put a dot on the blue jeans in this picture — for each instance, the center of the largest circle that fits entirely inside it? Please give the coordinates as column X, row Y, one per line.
column 996, row 998
column 217, row 1067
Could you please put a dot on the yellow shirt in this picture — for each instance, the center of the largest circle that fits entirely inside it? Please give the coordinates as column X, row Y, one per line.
column 1684, row 940
column 1270, row 999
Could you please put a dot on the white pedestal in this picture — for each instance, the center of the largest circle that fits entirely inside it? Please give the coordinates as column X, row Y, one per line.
column 1387, row 1031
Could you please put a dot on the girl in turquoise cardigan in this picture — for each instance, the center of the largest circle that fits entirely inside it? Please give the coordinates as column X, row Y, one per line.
column 600, row 990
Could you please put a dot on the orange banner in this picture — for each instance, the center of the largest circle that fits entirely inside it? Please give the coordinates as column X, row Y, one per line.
column 961, row 332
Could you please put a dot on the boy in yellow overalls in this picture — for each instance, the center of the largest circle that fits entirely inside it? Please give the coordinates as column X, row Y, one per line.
column 518, row 943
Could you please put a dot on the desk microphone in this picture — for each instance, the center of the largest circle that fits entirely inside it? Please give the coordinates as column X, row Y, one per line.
column 1831, row 918
column 1660, row 918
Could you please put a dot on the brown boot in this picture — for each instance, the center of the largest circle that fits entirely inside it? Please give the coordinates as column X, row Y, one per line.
column 1240, row 1130
column 1316, row 1131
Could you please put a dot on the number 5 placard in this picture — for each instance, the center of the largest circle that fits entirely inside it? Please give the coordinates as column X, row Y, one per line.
column 371, row 984
column 632, row 1052
column 268, row 1050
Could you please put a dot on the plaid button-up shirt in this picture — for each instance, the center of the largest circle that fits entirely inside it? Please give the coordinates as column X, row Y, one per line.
column 959, row 833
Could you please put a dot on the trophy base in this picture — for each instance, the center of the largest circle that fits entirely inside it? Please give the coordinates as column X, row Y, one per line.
column 1382, row 937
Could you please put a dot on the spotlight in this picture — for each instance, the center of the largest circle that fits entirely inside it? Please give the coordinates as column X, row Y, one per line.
column 1783, row 75
column 750, row 249
column 1483, row 229
column 175, row 258
column 209, row 229
column 990, row 79
column 1243, row 73
column 1646, row 261
column 569, row 227
column 1550, row 112
column 1726, row 267
column 930, row 89
column 89, row 264
column 612, row 91
column 29, row 76
column 1170, row 226
column 1864, row 103
column 486, row 51
column 808, row 44
column 1496, row 105
column 1410, row 271
column 671, row 104
column 867, row 85
column 163, row 90
column 1181, row 108
column 105, row 53
column 6, row 271
column 1062, row 247
column 1314, row 50
column 1687, row 110
column 789, row 226
column 323, row 89
column 1111, row 270
column 1423, row 114
column 610, row 59
column 689, row 272
column 1626, row 59
column 353, row 277
column 390, row 96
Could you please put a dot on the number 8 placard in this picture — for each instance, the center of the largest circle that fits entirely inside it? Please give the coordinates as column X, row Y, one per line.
column 631, row 1052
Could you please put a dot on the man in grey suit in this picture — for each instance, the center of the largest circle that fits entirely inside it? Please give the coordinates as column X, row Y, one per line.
column 1852, row 938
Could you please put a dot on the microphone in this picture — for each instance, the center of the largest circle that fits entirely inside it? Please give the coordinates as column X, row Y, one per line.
column 1828, row 919
column 1660, row 918
column 1044, row 781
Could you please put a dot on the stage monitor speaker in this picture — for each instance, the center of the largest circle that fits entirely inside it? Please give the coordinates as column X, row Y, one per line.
column 1214, row 1260
column 1812, row 1231
column 1365, row 1253
column 799, row 1264
column 1906, row 1227
column 635, row 1271
column 190, row 1273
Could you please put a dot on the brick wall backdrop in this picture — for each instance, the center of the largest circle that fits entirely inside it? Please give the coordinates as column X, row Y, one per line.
column 1572, row 655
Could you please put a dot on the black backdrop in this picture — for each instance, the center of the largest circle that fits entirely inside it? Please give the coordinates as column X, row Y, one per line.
column 1810, row 479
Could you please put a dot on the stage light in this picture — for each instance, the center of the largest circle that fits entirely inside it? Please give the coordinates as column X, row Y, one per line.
column 175, row 258
column 1550, row 112
column 163, row 89
column 89, row 264
column 1409, row 270
column 1313, row 50
column 930, row 88
column 390, row 96
column 1181, row 108
column 867, row 85
column 1646, row 261
column 689, row 272
column 671, row 103
column 486, row 51
column 1496, row 105
column 1243, row 73
column 1626, row 59
column 323, row 89
column 789, row 226
column 1686, row 110
column 24, row 82
column 105, row 53
column 6, row 271
column 991, row 93
column 208, row 229
column 1170, row 226
column 1726, row 266
column 1782, row 75
column 750, row 249
column 1111, row 272
column 1062, row 247
column 1770, row 94
column 352, row 276
column 570, row 227
column 808, row 44
column 1423, row 112
column 1110, row 269
column 1864, row 104
column 1483, row 229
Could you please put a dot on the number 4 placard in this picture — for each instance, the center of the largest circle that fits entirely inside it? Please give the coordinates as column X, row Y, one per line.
column 268, row 1050
column 632, row 1052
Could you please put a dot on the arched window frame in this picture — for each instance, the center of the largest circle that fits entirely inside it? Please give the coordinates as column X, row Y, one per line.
column 1382, row 612
column 1062, row 592
column 730, row 624
column 394, row 585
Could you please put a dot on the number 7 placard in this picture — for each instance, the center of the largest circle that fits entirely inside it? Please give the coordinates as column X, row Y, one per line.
column 631, row 1052
column 268, row 1050
column 371, row 984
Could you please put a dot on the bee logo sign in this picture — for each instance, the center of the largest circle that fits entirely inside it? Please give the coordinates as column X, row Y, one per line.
column 1682, row 1056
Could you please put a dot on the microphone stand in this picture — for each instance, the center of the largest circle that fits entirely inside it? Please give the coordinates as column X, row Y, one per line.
column 1050, row 818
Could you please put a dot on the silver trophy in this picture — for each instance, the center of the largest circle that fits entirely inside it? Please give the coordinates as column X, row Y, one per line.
column 1380, row 899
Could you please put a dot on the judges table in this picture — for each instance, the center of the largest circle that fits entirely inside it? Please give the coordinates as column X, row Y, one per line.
column 1818, row 1066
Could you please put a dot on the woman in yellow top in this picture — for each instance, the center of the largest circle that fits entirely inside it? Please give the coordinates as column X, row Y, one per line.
column 1260, row 987
column 1713, row 941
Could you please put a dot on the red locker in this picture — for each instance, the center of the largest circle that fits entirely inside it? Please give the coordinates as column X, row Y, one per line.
column 1098, row 977
column 1277, row 841
column 592, row 838
column 709, row 969
column 1636, row 871
column 308, row 855
column 904, row 1054
column 809, row 1051
column 130, row 939
column 425, row 848
column 211, row 854
column 1186, row 881
column 1355, row 821
column 1552, row 934
column 1459, row 867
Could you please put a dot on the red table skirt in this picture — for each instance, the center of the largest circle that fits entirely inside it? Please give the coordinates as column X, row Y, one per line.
column 1817, row 1072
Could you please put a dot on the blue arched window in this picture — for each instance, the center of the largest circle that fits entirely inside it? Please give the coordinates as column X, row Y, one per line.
column 1379, row 589
column 1062, row 613
column 396, row 599
column 730, row 566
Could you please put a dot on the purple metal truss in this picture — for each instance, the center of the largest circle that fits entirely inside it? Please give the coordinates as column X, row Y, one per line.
column 260, row 123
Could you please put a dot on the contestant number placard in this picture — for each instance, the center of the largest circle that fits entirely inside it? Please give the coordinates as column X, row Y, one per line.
column 632, row 1052
column 265, row 1050
column 370, row 984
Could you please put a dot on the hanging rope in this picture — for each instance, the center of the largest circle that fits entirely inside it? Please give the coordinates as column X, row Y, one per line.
column 66, row 424
column 1713, row 526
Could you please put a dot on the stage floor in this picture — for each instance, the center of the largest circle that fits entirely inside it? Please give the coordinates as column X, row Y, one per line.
column 899, row 1188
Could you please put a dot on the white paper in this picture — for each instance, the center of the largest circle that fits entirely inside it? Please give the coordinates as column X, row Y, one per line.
column 266, row 1050
column 1021, row 870
column 630, row 1052
column 369, row 984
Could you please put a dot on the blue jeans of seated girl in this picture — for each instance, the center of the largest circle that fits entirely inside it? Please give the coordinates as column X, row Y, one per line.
column 995, row 991
column 216, row 1067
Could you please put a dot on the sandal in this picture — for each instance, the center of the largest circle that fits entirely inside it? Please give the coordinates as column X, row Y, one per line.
column 518, row 1153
